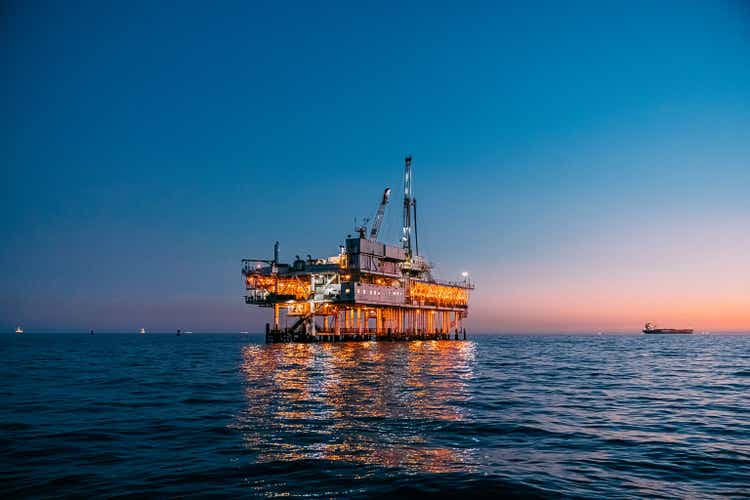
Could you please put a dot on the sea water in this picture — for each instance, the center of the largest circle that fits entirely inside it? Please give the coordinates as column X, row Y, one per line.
column 533, row 416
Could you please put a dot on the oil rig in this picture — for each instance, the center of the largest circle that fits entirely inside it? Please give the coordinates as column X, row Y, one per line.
column 370, row 291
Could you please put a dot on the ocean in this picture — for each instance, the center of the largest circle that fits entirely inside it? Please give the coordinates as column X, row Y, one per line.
column 583, row 416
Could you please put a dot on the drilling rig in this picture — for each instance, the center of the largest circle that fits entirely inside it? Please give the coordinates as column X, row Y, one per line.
column 370, row 290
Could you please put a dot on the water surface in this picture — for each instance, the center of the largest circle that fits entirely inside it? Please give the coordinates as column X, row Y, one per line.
column 545, row 416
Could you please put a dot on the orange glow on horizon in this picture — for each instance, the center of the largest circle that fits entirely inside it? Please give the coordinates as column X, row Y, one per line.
column 607, row 312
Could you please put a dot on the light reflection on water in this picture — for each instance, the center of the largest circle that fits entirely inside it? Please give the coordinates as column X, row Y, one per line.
column 584, row 415
column 344, row 402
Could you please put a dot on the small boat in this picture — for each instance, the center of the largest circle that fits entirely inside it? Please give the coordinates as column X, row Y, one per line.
column 652, row 330
column 19, row 329
column 244, row 333
column 142, row 331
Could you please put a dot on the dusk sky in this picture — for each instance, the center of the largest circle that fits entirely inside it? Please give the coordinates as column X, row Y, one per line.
column 588, row 163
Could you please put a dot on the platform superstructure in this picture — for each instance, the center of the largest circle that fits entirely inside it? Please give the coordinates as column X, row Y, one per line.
column 369, row 290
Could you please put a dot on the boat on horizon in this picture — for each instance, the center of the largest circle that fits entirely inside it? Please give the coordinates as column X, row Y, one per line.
column 142, row 331
column 651, row 329
column 19, row 329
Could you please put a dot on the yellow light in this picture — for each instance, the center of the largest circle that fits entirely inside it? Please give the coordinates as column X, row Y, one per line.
column 282, row 286
column 433, row 293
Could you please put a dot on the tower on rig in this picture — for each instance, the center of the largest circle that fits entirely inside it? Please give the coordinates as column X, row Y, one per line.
column 370, row 290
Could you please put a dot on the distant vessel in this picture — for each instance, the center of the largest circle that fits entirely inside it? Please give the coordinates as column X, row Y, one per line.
column 19, row 329
column 651, row 329
column 142, row 331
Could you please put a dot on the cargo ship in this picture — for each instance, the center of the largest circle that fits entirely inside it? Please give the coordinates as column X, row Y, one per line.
column 651, row 329
column 370, row 290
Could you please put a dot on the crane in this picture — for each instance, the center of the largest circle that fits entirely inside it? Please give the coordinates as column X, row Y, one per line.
column 379, row 215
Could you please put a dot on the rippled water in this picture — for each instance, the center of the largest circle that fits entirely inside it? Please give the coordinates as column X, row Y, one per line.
column 581, row 416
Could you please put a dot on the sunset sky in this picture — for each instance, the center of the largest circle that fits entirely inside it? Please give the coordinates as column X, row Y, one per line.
column 588, row 163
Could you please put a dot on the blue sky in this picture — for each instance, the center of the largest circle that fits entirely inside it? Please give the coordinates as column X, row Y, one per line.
column 574, row 157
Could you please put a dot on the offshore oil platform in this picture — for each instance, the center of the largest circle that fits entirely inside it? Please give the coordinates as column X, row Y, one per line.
column 370, row 291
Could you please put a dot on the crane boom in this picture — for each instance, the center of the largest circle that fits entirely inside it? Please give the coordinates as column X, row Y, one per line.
column 379, row 216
